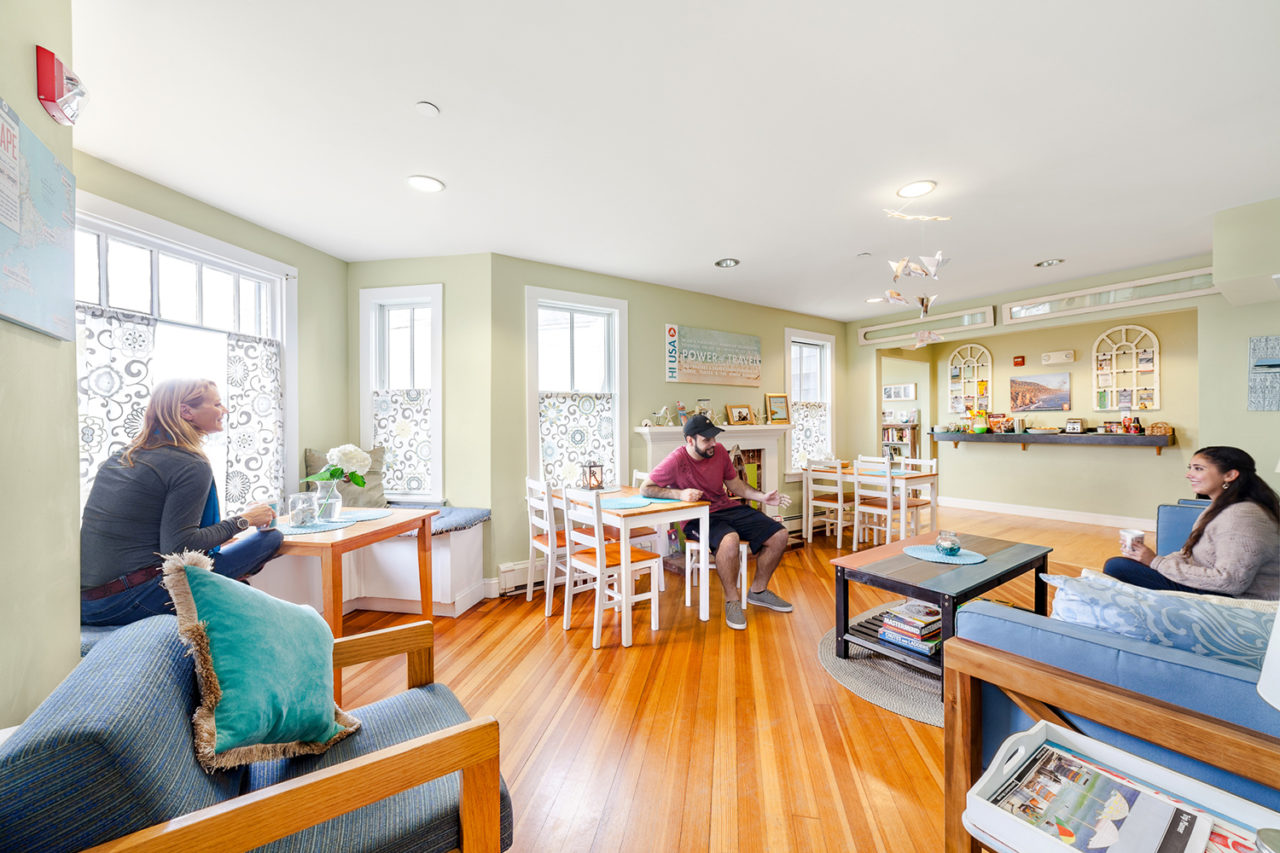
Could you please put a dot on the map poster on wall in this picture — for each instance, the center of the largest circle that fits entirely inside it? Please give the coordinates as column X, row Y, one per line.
column 37, row 232
column 710, row 357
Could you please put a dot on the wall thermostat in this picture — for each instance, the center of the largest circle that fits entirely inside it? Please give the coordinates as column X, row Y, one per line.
column 1061, row 357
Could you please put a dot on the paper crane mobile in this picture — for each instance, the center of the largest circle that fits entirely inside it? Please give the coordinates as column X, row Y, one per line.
column 928, row 267
column 894, row 297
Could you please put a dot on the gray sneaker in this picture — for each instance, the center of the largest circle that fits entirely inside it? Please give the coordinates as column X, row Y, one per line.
column 769, row 600
column 734, row 616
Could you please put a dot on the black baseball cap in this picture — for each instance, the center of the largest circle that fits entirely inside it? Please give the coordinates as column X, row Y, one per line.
column 701, row 425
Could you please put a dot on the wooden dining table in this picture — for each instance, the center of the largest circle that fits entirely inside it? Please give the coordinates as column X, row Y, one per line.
column 904, row 482
column 651, row 515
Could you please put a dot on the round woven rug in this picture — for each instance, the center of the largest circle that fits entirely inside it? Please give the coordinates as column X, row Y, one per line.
column 896, row 687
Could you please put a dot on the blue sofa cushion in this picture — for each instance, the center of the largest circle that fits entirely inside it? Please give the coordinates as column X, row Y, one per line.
column 1173, row 525
column 110, row 751
column 1233, row 634
column 450, row 518
column 420, row 819
column 1217, row 689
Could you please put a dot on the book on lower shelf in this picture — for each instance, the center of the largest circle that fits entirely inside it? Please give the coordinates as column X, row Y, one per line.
column 920, row 614
column 924, row 647
column 911, row 630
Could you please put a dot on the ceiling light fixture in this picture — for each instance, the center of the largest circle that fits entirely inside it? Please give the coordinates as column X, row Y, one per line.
column 426, row 183
column 727, row 263
column 1051, row 262
column 428, row 109
column 915, row 189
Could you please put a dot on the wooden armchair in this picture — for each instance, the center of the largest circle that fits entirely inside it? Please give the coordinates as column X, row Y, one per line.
column 274, row 812
column 1045, row 692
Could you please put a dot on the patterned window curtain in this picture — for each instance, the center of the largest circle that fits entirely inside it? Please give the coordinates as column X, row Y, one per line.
column 810, row 433
column 574, row 429
column 402, row 425
column 115, row 350
column 255, row 423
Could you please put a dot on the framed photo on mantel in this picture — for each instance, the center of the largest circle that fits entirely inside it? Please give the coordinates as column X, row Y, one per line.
column 779, row 411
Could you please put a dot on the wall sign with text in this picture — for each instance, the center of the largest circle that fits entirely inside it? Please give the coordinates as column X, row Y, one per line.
column 710, row 357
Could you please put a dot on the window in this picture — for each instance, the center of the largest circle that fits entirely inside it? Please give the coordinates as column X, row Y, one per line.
column 401, row 341
column 810, row 388
column 150, row 309
column 577, row 378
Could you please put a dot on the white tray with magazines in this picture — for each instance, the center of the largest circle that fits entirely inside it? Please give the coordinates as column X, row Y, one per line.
column 1182, row 807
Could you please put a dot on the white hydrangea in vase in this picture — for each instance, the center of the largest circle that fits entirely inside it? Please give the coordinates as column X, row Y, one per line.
column 347, row 464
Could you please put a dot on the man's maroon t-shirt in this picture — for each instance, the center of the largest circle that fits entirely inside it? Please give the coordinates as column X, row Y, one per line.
column 682, row 471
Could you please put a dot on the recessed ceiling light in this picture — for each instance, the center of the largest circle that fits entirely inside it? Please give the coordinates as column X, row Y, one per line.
column 915, row 189
column 428, row 109
column 727, row 263
column 1051, row 262
column 426, row 183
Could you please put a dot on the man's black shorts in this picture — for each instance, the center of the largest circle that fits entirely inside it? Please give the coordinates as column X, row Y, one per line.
column 751, row 525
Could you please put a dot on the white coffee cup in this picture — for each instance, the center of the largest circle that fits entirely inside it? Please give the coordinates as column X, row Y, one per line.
column 1131, row 538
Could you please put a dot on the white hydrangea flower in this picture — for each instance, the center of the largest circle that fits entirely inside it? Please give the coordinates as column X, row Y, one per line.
column 349, row 458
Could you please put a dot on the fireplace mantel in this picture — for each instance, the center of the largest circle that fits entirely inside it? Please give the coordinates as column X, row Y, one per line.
column 660, row 441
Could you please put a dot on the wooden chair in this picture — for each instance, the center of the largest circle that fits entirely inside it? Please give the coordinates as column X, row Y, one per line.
column 544, row 538
column 874, row 499
column 915, row 502
column 693, row 558
column 596, row 563
column 649, row 538
column 830, row 498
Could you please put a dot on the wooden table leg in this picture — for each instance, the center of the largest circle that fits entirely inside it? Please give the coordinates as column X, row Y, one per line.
column 424, row 568
column 962, row 745
column 331, row 582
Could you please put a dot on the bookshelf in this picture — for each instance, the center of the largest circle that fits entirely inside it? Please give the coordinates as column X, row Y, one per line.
column 900, row 440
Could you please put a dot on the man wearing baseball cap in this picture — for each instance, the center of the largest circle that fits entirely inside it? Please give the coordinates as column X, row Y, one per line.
column 701, row 470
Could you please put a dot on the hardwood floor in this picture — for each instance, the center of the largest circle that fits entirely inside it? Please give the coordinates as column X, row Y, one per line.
column 699, row 737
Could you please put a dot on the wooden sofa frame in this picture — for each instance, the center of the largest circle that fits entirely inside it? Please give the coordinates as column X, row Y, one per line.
column 261, row 817
column 1041, row 691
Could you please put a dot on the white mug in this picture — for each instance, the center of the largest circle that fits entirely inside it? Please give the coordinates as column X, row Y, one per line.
column 1131, row 538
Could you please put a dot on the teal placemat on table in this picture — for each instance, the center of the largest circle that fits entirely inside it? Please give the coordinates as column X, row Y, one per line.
column 364, row 514
column 933, row 555
column 624, row 503
column 315, row 527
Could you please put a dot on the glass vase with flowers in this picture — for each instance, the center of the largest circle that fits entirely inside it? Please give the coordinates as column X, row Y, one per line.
column 346, row 464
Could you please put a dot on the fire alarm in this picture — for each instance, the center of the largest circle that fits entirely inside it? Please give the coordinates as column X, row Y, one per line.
column 58, row 88
column 1019, row 360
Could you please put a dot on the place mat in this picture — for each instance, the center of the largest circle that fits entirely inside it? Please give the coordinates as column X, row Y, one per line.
column 364, row 514
column 933, row 555
column 624, row 503
column 881, row 680
column 315, row 527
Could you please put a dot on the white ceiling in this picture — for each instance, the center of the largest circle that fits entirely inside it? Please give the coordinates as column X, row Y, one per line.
column 646, row 140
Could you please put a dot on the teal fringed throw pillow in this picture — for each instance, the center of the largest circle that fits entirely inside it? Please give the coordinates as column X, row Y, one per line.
column 264, row 666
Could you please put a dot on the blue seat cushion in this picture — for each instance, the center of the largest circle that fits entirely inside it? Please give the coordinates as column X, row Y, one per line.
column 424, row 818
column 450, row 518
column 110, row 751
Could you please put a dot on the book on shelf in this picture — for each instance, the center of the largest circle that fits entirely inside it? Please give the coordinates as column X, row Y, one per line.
column 924, row 647
column 913, row 630
column 1087, row 807
column 912, row 612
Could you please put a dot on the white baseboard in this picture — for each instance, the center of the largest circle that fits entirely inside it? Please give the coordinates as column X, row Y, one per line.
column 467, row 599
column 1097, row 518
column 492, row 587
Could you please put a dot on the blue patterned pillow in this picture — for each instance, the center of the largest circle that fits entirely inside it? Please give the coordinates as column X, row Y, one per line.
column 1232, row 634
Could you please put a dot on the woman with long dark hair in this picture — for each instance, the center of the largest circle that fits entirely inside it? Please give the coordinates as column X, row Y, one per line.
column 1234, row 548
column 157, row 497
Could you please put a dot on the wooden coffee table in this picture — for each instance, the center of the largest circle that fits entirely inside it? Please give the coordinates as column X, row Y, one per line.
column 943, row 585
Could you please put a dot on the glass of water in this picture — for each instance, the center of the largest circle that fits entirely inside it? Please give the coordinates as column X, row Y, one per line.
column 302, row 509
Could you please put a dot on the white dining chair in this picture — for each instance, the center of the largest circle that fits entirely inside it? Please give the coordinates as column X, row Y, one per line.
column 693, row 560
column 596, row 563
column 915, row 500
column 831, row 498
column 874, row 499
column 545, row 538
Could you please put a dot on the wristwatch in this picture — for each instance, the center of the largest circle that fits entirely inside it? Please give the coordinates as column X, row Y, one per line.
column 241, row 522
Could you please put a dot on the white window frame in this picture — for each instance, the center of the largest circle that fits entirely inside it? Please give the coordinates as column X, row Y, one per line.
column 102, row 214
column 617, row 311
column 372, row 302
column 828, row 343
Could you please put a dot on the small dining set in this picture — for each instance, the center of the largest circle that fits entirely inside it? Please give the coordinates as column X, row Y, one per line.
column 880, row 498
column 602, row 542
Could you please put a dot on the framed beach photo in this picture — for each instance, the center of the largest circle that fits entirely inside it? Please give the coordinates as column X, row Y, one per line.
column 778, row 409
column 739, row 415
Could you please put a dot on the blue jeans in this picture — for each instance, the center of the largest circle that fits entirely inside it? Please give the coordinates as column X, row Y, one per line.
column 1137, row 574
column 240, row 559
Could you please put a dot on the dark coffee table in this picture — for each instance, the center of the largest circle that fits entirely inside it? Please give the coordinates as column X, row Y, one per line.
column 943, row 585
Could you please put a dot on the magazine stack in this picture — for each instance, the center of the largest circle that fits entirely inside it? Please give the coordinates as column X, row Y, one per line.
column 914, row 625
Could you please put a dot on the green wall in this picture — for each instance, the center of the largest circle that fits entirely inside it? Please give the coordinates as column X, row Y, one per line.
column 40, row 574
